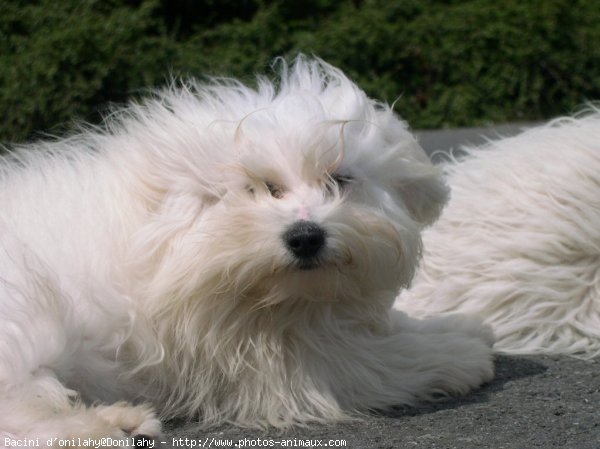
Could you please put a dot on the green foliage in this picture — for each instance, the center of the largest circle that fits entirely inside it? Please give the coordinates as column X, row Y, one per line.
column 60, row 59
column 446, row 62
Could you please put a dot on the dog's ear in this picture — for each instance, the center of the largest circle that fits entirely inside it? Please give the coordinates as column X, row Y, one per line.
column 418, row 183
column 424, row 192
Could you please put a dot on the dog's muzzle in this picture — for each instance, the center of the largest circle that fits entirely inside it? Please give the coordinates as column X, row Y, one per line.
column 306, row 241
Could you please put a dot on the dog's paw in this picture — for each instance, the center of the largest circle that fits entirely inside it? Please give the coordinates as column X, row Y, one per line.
column 467, row 363
column 470, row 326
column 117, row 425
column 467, row 325
column 133, row 421
column 59, row 417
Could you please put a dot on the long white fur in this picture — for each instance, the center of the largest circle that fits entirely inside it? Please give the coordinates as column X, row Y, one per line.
column 144, row 262
column 519, row 242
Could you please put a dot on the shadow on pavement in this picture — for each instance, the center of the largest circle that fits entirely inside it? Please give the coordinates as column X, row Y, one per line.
column 508, row 369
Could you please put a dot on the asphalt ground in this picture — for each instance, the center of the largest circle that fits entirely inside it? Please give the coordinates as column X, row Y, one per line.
column 439, row 141
column 533, row 402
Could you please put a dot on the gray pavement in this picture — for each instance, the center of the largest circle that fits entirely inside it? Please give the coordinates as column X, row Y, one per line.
column 444, row 140
column 533, row 402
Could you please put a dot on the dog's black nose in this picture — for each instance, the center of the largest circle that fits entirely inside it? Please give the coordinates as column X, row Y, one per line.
column 304, row 239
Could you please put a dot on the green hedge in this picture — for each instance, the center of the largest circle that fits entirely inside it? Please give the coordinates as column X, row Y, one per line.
column 448, row 63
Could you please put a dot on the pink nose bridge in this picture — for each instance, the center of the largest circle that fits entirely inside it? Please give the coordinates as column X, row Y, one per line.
column 302, row 213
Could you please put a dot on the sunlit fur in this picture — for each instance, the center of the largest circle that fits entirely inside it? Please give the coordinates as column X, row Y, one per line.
column 144, row 262
column 519, row 242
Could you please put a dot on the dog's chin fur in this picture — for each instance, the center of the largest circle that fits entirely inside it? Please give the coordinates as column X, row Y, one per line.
column 146, row 262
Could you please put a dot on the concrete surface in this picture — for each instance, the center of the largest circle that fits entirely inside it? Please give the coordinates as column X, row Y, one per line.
column 533, row 402
column 444, row 140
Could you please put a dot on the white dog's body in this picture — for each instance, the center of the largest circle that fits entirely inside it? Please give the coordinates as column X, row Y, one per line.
column 519, row 242
column 222, row 253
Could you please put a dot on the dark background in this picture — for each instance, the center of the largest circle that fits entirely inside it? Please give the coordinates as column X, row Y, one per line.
column 447, row 63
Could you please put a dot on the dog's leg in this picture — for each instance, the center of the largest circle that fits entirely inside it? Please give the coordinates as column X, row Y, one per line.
column 418, row 360
column 46, row 410
column 451, row 323
column 47, row 347
column 40, row 406
column 444, row 356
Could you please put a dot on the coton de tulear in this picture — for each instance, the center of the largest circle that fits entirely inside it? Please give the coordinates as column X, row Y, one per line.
column 519, row 243
column 225, row 253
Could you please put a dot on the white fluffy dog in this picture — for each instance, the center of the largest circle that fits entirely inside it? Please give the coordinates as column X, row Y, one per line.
column 225, row 253
column 519, row 242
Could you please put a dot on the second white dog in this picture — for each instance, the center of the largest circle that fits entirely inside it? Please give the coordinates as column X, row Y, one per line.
column 519, row 242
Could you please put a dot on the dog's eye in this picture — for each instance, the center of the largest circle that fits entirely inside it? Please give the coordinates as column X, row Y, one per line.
column 338, row 182
column 342, row 181
column 275, row 190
